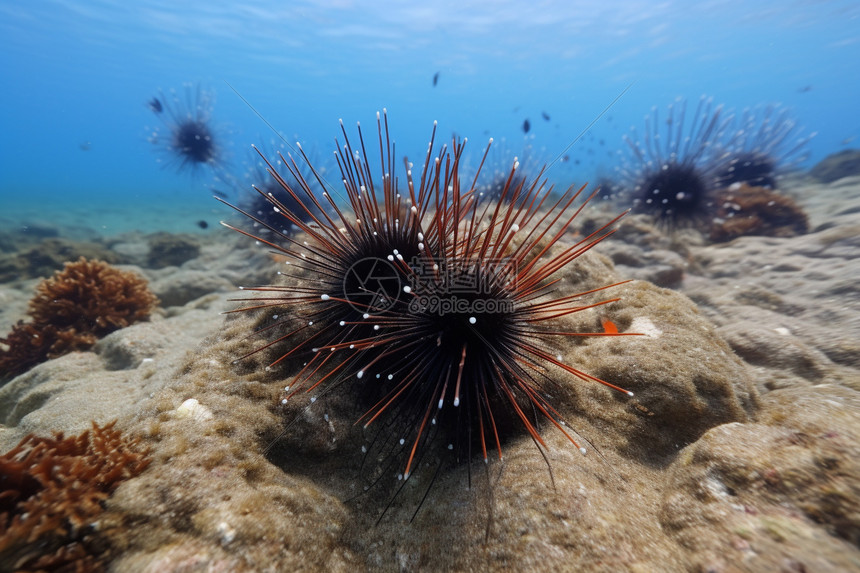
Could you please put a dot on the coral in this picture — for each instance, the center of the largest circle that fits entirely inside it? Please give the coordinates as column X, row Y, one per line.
column 91, row 296
column 83, row 302
column 744, row 210
column 30, row 344
column 51, row 493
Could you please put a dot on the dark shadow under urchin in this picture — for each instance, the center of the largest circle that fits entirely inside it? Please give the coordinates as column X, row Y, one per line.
column 425, row 316
column 671, row 174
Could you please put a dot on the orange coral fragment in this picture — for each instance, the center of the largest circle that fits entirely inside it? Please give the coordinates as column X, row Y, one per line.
column 52, row 490
column 609, row 327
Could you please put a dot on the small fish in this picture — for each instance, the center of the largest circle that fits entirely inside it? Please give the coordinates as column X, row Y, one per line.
column 609, row 327
column 85, row 145
column 435, row 79
column 526, row 126
column 219, row 193
column 202, row 224
column 848, row 140
column 545, row 115
column 155, row 105
column 565, row 159
column 804, row 89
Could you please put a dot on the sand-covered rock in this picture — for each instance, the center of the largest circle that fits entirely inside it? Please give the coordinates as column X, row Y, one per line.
column 777, row 495
column 791, row 305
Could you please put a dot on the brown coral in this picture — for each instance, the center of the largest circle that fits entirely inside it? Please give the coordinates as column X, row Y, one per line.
column 746, row 210
column 51, row 493
column 71, row 310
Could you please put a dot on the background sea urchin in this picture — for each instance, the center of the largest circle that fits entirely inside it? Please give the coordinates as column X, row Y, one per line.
column 672, row 173
column 438, row 308
column 191, row 142
column 764, row 142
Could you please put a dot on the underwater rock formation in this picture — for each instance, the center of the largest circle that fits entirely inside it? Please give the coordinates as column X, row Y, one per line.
column 763, row 494
column 227, row 491
column 845, row 163
column 26, row 260
column 168, row 249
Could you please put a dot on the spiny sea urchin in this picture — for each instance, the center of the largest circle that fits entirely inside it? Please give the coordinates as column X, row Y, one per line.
column 259, row 204
column 191, row 142
column 441, row 309
column 764, row 141
column 672, row 173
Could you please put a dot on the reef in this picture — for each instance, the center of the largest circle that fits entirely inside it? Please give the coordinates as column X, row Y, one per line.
column 71, row 310
column 744, row 210
column 52, row 493
column 737, row 453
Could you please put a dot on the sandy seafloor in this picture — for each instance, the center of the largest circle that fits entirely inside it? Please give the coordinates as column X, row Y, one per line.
column 739, row 452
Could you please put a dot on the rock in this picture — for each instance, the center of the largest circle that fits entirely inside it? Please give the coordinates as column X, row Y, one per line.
column 786, row 490
column 845, row 163
column 167, row 249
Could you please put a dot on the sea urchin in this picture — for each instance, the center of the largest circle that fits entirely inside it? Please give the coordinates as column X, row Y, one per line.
column 191, row 142
column 672, row 174
column 440, row 308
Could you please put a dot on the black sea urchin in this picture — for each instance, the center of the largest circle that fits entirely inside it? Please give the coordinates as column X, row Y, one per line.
column 190, row 141
column 672, row 173
column 763, row 143
column 494, row 170
column 440, row 308
column 259, row 205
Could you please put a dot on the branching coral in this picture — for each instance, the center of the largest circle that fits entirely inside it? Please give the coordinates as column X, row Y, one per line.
column 71, row 310
column 51, row 493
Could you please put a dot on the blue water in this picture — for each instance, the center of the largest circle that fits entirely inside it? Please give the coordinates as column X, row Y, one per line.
column 77, row 76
